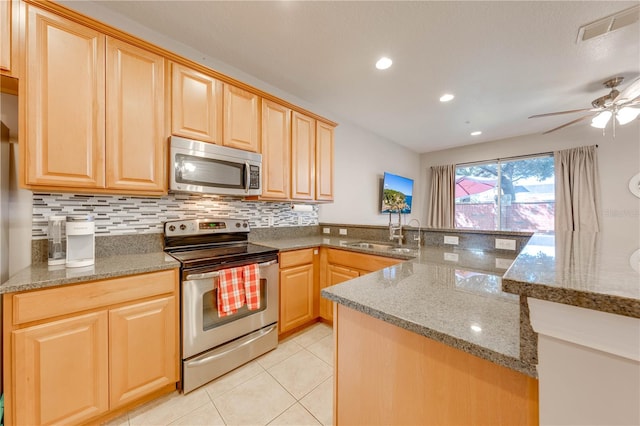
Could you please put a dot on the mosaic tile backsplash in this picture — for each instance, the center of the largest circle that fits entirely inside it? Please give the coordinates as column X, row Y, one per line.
column 119, row 215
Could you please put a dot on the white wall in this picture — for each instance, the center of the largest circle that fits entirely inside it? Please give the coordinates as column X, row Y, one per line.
column 361, row 158
column 618, row 160
column 18, row 200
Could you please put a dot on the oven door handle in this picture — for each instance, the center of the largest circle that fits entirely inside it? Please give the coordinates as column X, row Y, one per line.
column 238, row 344
column 214, row 274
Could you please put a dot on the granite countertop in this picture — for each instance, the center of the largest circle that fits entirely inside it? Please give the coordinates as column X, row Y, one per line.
column 450, row 295
column 585, row 269
column 40, row 275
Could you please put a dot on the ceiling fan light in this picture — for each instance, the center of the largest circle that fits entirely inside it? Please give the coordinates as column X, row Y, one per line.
column 600, row 121
column 627, row 114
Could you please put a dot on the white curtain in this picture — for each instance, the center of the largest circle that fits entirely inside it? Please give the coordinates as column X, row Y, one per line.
column 577, row 190
column 442, row 197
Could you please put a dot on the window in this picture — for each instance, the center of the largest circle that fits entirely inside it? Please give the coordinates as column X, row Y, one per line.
column 506, row 195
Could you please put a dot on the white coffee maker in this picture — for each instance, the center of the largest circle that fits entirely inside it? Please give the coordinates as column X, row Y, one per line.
column 80, row 241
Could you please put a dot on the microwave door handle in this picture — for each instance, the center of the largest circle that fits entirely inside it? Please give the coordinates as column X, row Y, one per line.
column 247, row 176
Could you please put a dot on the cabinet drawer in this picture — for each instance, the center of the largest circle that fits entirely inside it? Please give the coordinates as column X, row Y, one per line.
column 40, row 304
column 297, row 257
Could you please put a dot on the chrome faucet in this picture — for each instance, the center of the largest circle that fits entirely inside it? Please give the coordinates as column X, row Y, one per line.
column 418, row 238
column 395, row 231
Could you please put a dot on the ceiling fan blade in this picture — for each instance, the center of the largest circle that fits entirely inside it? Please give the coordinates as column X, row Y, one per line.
column 568, row 124
column 630, row 93
column 562, row 112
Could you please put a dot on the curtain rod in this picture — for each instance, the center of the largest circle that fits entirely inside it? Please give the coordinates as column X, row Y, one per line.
column 541, row 154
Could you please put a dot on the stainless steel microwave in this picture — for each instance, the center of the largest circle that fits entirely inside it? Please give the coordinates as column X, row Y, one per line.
column 205, row 168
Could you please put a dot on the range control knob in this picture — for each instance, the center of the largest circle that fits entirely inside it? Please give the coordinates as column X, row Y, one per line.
column 183, row 227
column 237, row 224
column 244, row 225
column 172, row 228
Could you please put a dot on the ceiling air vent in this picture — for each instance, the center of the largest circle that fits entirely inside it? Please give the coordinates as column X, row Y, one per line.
column 610, row 23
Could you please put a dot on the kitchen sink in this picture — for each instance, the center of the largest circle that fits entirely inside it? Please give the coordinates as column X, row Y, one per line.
column 371, row 246
column 401, row 250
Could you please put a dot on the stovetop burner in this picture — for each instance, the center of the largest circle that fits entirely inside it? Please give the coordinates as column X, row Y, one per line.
column 214, row 242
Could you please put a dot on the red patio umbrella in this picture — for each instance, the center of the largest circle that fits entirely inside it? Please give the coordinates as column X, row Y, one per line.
column 467, row 185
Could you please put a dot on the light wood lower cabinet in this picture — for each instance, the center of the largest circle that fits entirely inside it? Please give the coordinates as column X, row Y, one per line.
column 338, row 266
column 139, row 337
column 297, row 288
column 75, row 353
column 61, row 371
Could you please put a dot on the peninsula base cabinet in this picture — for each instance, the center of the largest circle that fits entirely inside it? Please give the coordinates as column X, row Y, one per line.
column 342, row 265
column 386, row 375
column 81, row 353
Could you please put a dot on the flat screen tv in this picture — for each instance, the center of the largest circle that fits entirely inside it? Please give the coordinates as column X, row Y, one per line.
column 397, row 194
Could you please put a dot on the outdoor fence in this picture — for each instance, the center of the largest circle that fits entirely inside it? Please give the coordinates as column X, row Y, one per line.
column 519, row 216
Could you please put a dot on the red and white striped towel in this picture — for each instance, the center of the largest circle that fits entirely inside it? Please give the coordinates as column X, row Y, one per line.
column 230, row 291
column 251, row 275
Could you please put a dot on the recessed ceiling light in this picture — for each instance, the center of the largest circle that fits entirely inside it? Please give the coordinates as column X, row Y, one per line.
column 383, row 63
column 476, row 133
column 446, row 97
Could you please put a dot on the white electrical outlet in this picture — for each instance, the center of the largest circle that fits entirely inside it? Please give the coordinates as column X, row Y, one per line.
column 270, row 221
column 326, row 230
column 503, row 263
column 448, row 239
column 343, row 231
column 451, row 257
column 505, row 244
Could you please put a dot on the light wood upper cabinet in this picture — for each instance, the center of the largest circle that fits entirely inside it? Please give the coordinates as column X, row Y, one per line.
column 142, row 333
column 95, row 111
column 11, row 17
column 5, row 35
column 196, row 105
column 135, row 118
column 276, row 151
column 324, row 161
column 303, row 145
column 63, row 371
column 65, row 97
column 241, row 119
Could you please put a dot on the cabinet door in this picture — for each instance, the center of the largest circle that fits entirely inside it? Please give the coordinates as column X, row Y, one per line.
column 276, row 149
column 296, row 296
column 335, row 275
column 196, row 105
column 144, row 350
column 64, row 103
column 241, row 119
column 61, row 371
column 135, row 118
column 303, row 147
column 324, row 162
column 5, row 35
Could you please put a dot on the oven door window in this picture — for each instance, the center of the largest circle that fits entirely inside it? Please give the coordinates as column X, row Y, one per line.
column 210, row 318
column 192, row 170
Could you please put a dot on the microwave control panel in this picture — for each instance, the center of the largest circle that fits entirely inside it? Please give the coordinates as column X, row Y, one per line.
column 254, row 177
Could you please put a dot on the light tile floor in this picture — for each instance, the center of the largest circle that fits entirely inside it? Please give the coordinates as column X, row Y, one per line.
column 291, row 385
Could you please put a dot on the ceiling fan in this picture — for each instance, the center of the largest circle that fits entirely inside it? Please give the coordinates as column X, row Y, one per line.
column 624, row 106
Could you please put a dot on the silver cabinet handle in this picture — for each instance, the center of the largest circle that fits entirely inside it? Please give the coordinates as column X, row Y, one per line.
column 214, row 274
column 238, row 344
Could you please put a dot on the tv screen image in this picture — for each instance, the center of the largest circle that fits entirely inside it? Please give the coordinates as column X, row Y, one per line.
column 397, row 194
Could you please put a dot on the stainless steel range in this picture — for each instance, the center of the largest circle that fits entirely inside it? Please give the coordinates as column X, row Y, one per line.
column 213, row 344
